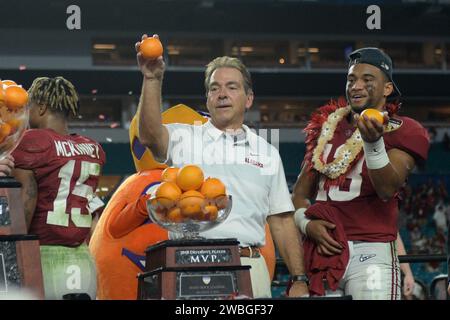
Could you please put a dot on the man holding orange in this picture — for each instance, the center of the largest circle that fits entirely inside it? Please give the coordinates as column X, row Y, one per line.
column 224, row 147
column 354, row 167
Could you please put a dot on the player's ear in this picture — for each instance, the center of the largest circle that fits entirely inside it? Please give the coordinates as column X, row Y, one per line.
column 42, row 109
column 388, row 89
column 249, row 102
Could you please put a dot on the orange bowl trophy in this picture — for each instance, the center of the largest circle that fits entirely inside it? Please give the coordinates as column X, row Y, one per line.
column 20, row 265
column 189, row 266
column 13, row 116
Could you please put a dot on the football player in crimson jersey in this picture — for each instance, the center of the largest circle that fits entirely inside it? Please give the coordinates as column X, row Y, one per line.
column 59, row 173
column 353, row 169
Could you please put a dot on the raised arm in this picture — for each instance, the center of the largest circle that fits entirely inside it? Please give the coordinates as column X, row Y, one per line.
column 388, row 180
column 387, row 170
column 151, row 131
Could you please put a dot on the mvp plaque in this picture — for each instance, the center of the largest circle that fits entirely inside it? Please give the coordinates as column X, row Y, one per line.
column 194, row 269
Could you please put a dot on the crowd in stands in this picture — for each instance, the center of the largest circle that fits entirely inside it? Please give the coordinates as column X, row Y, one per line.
column 424, row 214
column 423, row 217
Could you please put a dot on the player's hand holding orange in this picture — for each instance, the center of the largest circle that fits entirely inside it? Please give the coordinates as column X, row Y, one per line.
column 371, row 124
column 149, row 57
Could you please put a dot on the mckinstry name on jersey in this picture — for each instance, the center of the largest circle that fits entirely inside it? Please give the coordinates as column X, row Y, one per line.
column 69, row 149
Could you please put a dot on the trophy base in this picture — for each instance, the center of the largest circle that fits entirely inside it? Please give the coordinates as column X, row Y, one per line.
column 20, row 267
column 194, row 269
column 216, row 283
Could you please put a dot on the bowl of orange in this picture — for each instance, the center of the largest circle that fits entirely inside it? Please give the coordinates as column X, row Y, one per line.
column 185, row 203
column 14, row 115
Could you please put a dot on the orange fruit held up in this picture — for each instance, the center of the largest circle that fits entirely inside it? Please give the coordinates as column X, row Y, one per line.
column 190, row 177
column 170, row 174
column 212, row 188
column 168, row 194
column 374, row 114
column 15, row 97
column 191, row 204
column 5, row 130
column 151, row 48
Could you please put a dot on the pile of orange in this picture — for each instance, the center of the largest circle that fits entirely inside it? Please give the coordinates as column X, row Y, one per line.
column 184, row 195
column 13, row 96
column 13, row 99
column 5, row 131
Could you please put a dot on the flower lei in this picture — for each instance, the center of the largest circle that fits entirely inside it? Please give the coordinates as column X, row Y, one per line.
column 313, row 134
column 346, row 155
column 315, row 142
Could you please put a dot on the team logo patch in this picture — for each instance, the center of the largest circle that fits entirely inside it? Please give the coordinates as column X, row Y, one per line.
column 393, row 124
column 365, row 257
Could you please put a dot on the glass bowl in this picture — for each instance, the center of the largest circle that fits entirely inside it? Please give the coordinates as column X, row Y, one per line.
column 12, row 127
column 188, row 228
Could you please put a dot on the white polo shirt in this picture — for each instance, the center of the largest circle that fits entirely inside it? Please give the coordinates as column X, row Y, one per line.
column 250, row 168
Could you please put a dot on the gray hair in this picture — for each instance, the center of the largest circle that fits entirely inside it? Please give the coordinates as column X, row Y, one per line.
column 228, row 62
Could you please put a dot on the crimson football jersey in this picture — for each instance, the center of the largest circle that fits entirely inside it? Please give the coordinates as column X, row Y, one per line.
column 364, row 215
column 67, row 170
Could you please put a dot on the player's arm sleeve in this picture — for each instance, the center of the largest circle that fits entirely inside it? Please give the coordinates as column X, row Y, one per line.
column 279, row 197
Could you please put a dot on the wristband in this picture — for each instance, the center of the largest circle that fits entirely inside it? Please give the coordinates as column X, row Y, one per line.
column 375, row 154
column 301, row 220
column 301, row 278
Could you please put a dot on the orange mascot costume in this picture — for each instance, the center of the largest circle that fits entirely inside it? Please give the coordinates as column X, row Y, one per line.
column 124, row 231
